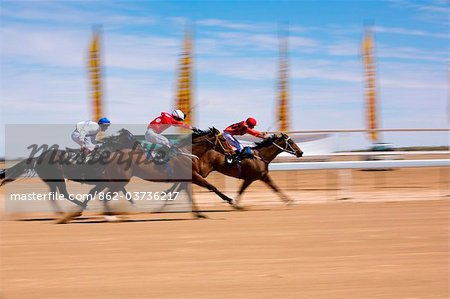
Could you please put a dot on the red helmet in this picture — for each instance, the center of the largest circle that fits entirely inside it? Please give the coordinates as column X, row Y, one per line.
column 251, row 122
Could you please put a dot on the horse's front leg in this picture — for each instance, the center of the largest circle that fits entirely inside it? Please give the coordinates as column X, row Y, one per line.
column 92, row 193
column 268, row 181
column 188, row 188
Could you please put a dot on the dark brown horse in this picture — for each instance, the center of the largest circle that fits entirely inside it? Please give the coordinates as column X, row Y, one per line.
column 54, row 165
column 250, row 169
column 117, row 173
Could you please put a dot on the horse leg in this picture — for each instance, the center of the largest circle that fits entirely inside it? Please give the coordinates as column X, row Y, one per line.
column 63, row 190
column 200, row 181
column 266, row 179
column 188, row 188
column 244, row 186
column 108, row 214
column 125, row 192
column 176, row 186
column 53, row 201
column 69, row 216
column 173, row 188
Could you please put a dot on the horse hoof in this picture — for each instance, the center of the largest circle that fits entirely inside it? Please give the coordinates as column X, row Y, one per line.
column 68, row 217
column 238, row 207
column 201, row 216
column 289, row 202
column 229, row 201
column 111, row 218
column 61, row 221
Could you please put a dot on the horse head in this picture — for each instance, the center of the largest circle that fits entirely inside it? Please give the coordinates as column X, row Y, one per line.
column 283, row 142
column 288, row 145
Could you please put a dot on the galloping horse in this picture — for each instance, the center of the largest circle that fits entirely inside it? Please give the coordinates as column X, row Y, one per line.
column 117, row 174
column 53, row 166
column 249, row 170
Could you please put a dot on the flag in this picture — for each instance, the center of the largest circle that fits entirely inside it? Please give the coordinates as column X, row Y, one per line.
column 183, row 99
column 95, row 75
column 370, row 92
column 283, row 94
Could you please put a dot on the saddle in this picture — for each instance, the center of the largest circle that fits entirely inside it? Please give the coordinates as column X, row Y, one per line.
column 238, row 157
column 161, row 156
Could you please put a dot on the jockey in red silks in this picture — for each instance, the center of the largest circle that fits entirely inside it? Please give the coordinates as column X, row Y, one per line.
column 242, row 128
column 162, row 123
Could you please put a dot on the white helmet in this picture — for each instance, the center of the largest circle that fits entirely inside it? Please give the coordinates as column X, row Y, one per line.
column 178, row 114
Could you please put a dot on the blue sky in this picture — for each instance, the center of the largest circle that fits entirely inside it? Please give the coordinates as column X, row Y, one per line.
column 43, row 58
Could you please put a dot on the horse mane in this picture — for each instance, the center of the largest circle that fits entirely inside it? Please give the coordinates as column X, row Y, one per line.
column 199, row 133
column 116, row 141
column 266, row 142
column 113, row 138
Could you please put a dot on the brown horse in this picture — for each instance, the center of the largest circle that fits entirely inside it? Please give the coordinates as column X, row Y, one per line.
column 53, row 166
column 128, row 163
column 250, row 169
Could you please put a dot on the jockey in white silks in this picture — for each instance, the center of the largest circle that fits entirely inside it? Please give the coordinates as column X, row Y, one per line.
column 86, row 132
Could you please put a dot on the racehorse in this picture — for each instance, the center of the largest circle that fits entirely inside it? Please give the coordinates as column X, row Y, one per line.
column 54, row 165
column 117, row 174
column 250, row 169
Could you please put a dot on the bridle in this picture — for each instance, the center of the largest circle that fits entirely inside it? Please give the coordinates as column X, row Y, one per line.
column 286, row 146
column 217, row 143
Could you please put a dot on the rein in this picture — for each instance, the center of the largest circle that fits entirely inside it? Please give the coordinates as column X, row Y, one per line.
column 216, row 141
column 285, row 149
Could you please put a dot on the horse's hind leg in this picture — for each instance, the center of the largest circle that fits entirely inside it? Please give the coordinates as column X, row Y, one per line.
column 188, row 188
column 125, row 193
column 266, row 179
column 109, row 214
column 92, row 193
column 63, row 190
column 197, row 179
column 176, row 186
column 244, row 186
column 53, row 201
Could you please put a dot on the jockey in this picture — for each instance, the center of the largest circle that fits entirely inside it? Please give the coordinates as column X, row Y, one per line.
column 162, row 123
column 86, row 132
column 242, row 128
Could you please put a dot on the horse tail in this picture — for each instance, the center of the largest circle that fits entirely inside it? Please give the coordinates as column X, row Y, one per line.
column 14, row 172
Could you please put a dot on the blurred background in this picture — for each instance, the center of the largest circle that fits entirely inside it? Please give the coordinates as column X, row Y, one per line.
column 240, row 54
column 349, row 81
column 361, row 87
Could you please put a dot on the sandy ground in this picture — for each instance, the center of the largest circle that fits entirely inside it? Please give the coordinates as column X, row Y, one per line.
column 332, row 250
column 388, row 239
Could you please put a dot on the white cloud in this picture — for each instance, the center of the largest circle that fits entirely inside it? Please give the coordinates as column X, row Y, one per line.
column 44, row 73
column 414, row 32
column 232, row 25
column 432, row 11
column 74, row 13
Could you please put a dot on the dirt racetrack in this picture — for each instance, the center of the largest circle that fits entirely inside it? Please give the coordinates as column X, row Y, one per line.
column 325, row 250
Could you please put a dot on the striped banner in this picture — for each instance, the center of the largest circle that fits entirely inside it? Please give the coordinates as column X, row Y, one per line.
column 183, row 99
column 283, row 94
column 95, row 75
column 370, row 93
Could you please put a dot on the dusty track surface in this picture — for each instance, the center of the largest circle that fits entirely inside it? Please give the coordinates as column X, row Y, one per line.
column 326, row 250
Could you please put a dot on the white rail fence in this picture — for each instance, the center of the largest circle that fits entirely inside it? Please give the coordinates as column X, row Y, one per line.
column 360, row 164
column 345, row 174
